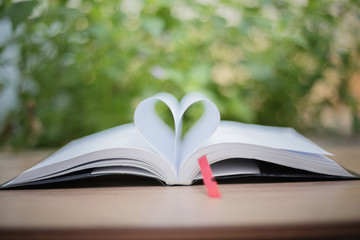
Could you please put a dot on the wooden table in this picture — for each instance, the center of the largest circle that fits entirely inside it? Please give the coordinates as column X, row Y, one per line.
column 249, row 210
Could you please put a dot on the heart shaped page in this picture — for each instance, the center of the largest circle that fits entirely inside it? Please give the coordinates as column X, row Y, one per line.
column 162, row 138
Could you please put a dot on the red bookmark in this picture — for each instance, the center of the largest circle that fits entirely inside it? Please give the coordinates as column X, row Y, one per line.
column 208, row 178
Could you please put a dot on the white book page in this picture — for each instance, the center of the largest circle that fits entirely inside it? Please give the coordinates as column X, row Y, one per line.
column 123, row 170
column 123, row 141
column 159, row 135
column 278, row 145
column 265, row 136
column 109, row 163
column 168, row 142
column 125, row 136
column 203, row 128
column 231, row 167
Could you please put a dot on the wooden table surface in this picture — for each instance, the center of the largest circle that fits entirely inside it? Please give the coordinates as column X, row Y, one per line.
column 274, row 210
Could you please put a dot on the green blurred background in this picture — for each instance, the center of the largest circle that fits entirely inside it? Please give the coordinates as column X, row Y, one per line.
column 70, row 68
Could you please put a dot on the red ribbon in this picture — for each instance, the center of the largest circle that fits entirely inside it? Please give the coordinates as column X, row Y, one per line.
column 208, row 178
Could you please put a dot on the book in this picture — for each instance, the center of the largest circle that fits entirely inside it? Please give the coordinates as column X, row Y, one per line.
column 148, row 147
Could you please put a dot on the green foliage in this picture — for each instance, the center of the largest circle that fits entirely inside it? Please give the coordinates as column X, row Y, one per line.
column 20, row 11
column 76, row 67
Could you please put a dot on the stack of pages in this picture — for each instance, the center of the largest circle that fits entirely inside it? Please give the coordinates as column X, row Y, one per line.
column 150, row 148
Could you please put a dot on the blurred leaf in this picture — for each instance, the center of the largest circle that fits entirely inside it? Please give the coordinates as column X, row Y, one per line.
column 261, row 71
column 20, row 11
column 199, row 73
column 153, row 25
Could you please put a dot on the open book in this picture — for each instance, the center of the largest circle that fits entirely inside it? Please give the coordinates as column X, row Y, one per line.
column 150, row 148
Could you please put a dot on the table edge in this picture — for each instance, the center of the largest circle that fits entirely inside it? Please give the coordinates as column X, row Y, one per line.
column 333, row 230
